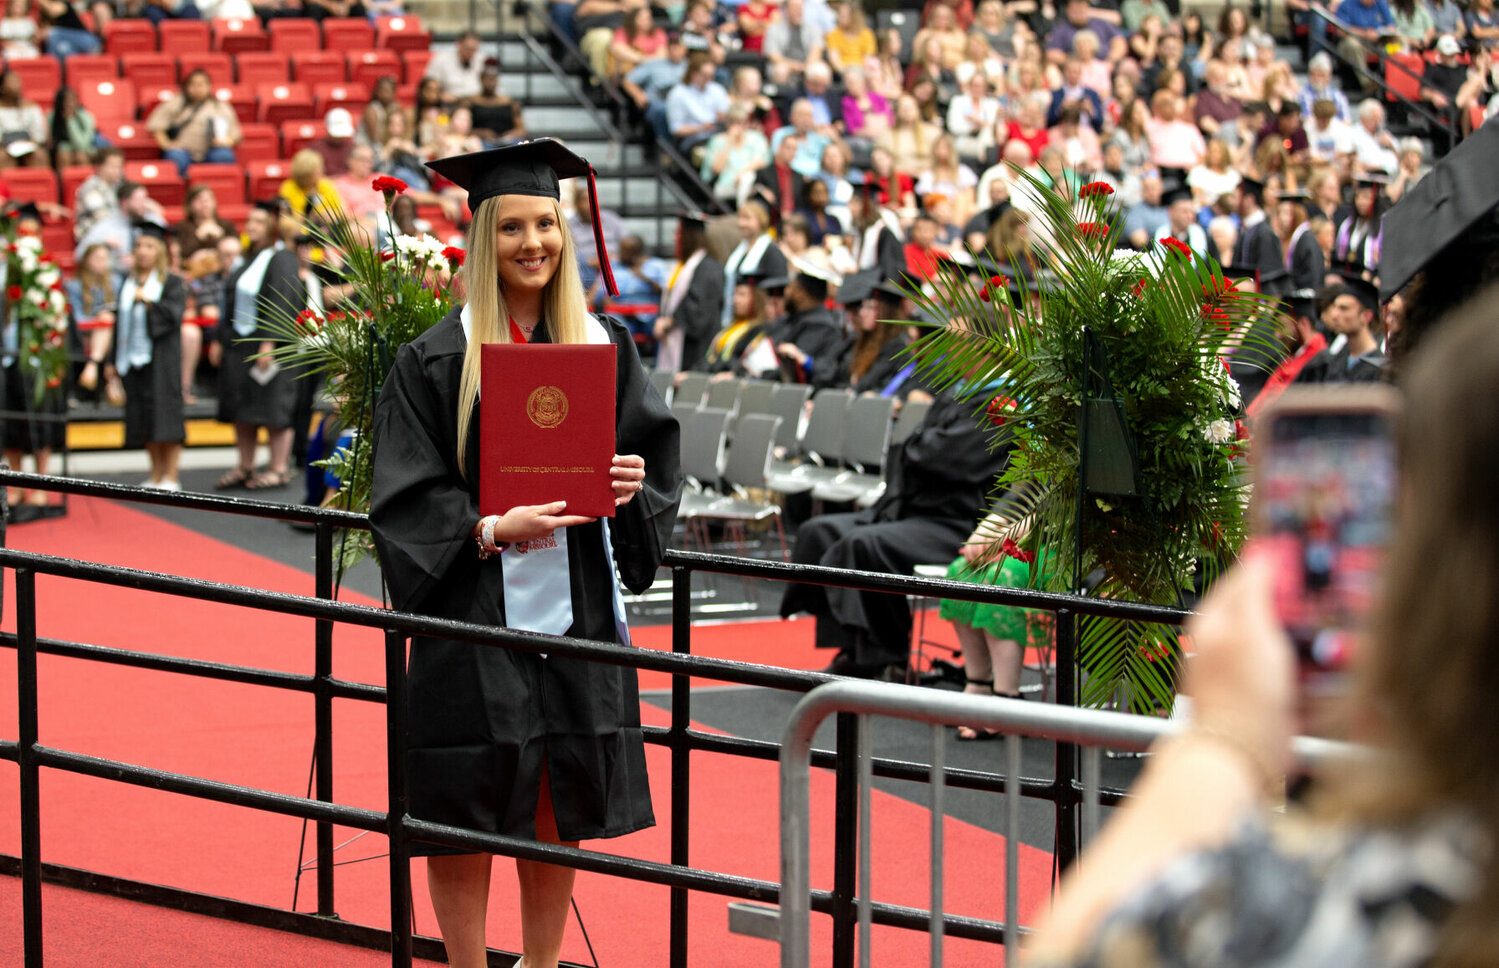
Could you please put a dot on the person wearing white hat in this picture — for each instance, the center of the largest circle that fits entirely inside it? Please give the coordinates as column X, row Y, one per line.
column 337, row 143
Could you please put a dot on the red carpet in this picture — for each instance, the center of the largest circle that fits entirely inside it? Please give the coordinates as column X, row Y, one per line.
column 262, row 737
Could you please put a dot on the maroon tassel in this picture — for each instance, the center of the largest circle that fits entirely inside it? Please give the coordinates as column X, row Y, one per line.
column 598, row 236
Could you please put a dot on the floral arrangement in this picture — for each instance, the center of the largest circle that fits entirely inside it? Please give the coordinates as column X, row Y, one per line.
column 35, row 295
column 396, row 293
column 1149, row 334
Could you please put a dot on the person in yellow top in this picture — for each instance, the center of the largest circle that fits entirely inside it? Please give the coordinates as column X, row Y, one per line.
column 850, row 42
column 307, row 190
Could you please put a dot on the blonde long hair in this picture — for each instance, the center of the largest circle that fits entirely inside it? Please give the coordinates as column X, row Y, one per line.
column 563, row 305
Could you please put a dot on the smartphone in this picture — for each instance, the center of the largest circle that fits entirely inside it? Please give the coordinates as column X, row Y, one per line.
column 1324, row 497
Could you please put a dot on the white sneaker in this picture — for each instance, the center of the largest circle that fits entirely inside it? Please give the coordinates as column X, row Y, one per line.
column 169, row 486
column 150, row 485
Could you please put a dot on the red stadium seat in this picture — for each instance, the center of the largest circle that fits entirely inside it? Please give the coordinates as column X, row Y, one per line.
column 318, row 67
column 126, row 36
column 329, row 96
column 57, row 238
column 40, row 78
column 146, row 98
column 160, row 178
column 32, row 184
column 92, row 68
column 109, row 100
column 347, row 33
column 258, row 143
column 239, row 36
column 368, row 66
column 147, row 69
column 72, row 177
column 266, row 178
column 283, row 102
column 178, row 36
column 401, row 33
column 219, row 67
column 262, row 67
column 132, row 138
column 414, row 64
column 241, row 97
column 295, row 34
column 1407, row 82
column 227, row 181
column 234, row 212
column 296, row 134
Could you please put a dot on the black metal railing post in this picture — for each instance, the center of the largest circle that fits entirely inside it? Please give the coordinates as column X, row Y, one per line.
column 31, row 804
column 681, row 757
column 845, row 840
column 395, row 756
column 1066, row 766
column 322, row 704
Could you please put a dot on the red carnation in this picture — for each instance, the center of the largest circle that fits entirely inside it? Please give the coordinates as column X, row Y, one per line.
column 44, row 258
column 453, row 254
column 1095, row 189
column 999, row 410
column 54, row 383
column 1139, row 288
column 1092, row 229
column 1179, row 246
column 56, row 286
column 984, row 294
column 1012, row 550
column 387, row 256
column 388, row 185
column 13, row 293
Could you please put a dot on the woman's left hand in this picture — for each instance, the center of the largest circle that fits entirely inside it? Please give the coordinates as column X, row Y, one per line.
column 628, row 478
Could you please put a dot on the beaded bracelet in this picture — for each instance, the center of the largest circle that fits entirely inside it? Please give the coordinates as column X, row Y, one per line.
column 485, row 537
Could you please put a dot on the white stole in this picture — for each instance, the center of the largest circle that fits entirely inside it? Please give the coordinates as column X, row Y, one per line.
column 869, row 242
column 669, row 349
column 534, row 572
column 126, row 359
column 247, row 292
column 745, row 255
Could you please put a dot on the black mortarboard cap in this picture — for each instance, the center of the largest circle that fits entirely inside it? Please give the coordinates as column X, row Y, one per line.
column 815, row 279
column 272, row 205
column 771, row 283
column 526, row 168
column 1458, row 193
column 858, row 286
column 153, row 229
column 1296, row 196
column 1176, row 195
column 1253, row 187
column 23, row 210
column 1361, row 289
column 1371, row 181
column 695, row 217
column 889, row 292
column 1237, row 272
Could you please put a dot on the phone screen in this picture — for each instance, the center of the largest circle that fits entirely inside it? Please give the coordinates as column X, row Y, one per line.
column 1326, row 488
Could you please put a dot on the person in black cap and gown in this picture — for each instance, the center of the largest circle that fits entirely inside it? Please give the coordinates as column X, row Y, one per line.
column 1349, row 310
column 871, row 356
column 516, row 743
column 1258, row 247
column 809, row 340
column 253, row 391
column 147, row 354
column 940, row 481
column 692, row 305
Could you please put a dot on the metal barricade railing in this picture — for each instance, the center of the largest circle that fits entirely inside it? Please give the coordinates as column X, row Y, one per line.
column 682, row 740
column 1090, row 729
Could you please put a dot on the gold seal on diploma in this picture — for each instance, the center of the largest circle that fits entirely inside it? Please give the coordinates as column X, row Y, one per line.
column 547, row 407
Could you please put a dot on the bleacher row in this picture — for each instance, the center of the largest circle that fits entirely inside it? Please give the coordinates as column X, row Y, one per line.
column 744, row 442
column 281, row 83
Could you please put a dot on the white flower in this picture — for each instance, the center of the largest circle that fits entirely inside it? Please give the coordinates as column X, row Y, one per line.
column 56, row 301
column 29, row 243
column 47, row 275
column 1231, row 391
column 1218, row 432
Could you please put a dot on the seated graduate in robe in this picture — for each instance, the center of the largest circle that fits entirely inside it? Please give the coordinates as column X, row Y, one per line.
column 809, row 340
column 1350, row 311
column 516, row 743
column 940, row 482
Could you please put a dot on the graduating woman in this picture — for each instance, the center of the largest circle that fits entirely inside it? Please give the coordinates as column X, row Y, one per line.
column 512, row 742
column 148, row 355
column 253, row 391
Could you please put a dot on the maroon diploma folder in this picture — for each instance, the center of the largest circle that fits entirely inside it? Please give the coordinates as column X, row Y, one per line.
column 546, row 427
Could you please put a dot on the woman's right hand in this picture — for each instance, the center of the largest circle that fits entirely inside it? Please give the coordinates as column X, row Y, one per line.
column 528, row 522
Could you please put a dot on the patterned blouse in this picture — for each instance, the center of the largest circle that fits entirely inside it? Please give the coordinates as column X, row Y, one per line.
column 1299, row 895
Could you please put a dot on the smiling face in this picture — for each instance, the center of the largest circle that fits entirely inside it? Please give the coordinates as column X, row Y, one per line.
column 528, row 243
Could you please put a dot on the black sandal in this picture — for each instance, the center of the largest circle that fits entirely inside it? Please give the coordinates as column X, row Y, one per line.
column 238, row 477
column 968, row 734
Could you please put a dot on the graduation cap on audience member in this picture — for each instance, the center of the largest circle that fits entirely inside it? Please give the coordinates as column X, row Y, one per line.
column 21, row 211
column 1242, row 274
column 1252, row 187
column 1175, row 195
column 889, row 294
column 1371, row 181
column 770, row 285
column 1360, row 288
column 814, row 279
column 270, row 205
column 150, row 229
column 1299, row 196
column 527, row 168
column 858, row 286
column 1456, row 198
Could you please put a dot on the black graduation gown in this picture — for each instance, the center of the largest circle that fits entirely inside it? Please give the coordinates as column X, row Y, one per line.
column 887, row 363
column 282, row 295
column 701, row 310
column 154, row 411
column 939, row 485
column 817, row 333
column 1261, row 250
column 485, row 721
column 1330, row 367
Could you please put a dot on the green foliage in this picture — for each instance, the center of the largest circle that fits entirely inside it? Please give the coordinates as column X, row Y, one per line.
column 1164, row 321
column 394, row 297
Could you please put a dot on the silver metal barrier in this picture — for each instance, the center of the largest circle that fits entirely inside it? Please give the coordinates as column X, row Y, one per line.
column 1089, row 728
